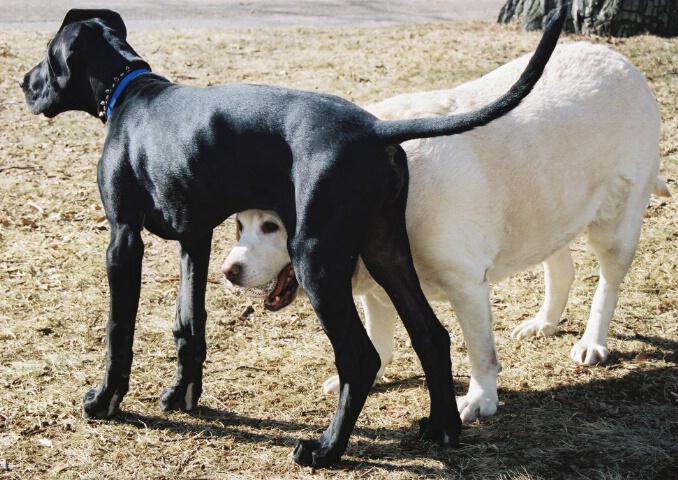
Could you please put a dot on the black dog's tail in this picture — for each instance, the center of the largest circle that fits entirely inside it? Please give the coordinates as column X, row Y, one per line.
column 401, row 130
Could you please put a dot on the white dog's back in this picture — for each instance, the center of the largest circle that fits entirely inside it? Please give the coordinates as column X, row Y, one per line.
column 518, row 190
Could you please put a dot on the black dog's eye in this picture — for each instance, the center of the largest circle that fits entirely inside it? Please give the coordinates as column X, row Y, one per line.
column 270, row 227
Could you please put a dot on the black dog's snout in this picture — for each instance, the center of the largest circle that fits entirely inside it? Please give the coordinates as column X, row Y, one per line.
column 26, row 82
column 232, row 272
column 22, row 82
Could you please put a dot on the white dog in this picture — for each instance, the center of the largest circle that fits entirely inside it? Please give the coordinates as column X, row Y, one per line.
column 581, row 153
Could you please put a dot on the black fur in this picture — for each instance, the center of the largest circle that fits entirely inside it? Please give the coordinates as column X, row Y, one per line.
column 179, row 160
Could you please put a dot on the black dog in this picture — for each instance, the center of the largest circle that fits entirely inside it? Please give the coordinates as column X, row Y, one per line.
column 179, row 160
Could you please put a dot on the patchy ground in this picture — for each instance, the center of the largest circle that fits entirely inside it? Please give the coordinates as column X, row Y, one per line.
column 264, row 371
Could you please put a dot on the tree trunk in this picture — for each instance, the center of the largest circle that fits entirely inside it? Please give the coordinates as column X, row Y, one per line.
column 619, row 18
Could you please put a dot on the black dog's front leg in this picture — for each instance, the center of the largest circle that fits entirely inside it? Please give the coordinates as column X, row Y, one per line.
column 124, row 258
column 189, row 327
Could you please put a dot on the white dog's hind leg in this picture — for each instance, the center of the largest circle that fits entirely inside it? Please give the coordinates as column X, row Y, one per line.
column 380, row 318
column 614, row 242
column 558, row 278
column 471, row 303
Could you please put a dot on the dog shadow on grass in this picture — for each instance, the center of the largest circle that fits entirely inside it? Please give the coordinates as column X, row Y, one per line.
column 617, row 420
column 663, row 348
column 362, row 453
column 617, row 423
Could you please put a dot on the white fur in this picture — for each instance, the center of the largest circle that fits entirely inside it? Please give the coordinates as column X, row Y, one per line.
column 581, row 153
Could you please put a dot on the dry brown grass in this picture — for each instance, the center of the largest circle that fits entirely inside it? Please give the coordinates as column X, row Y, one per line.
column 264, row 371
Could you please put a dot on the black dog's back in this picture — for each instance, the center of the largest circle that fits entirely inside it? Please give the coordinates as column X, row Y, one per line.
column 208, row 134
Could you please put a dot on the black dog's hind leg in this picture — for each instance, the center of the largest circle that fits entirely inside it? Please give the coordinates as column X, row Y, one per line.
column 388, row 258
column 328, row 286
column 123, row 258
column 357, row 364
column 189, row 327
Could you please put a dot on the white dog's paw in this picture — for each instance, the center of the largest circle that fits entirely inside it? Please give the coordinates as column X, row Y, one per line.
column 534, row 327
column 589, row 353
column 331, row 386
column 473, row 406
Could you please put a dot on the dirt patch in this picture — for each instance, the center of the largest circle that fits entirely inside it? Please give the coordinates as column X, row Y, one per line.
column 264, row 371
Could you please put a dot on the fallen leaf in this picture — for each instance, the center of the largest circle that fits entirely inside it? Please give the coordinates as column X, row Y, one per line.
column 45, row 442
column 641, row 357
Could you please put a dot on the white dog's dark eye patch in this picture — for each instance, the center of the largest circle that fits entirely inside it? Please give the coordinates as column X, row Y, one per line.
column 270, row 227
column 238, row 229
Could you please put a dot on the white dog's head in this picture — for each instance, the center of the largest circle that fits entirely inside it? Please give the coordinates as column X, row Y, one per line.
column 260, row 263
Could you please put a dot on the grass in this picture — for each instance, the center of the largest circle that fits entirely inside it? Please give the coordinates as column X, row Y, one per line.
column 264, row 370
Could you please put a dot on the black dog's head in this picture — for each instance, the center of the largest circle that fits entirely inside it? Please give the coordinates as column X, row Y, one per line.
column 81, row 58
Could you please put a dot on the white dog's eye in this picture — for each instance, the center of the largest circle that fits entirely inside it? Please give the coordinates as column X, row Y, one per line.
column 270, row 227
column 238, row 225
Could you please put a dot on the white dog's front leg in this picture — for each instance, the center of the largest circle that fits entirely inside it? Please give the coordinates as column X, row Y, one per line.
column 558, row 278
column 380, row 317
column 471, row 303
column 481, row 399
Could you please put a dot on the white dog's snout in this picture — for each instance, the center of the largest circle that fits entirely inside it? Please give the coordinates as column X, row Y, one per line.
column 232, row 271
column 234, row 261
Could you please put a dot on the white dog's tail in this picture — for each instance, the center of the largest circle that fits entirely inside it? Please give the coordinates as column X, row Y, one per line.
column 660, row 188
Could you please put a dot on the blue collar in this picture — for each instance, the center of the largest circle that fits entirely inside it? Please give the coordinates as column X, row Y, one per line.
column 121, row 86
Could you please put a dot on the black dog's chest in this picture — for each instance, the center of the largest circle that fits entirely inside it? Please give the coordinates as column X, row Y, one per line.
column 171, row 218
column 181, row 206
column 183, row 196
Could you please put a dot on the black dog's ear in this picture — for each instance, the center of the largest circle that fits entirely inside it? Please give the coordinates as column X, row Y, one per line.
column 112, row 18
column 58, row 53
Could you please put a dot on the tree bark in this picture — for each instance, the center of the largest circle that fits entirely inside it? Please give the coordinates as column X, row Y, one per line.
column 619, row 18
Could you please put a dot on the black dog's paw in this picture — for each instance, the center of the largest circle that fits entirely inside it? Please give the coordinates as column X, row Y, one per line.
column 95, row 406
column 443, row 436
column 303, row 452
column 179, row 398
column 311, row 453
column 173, row 398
